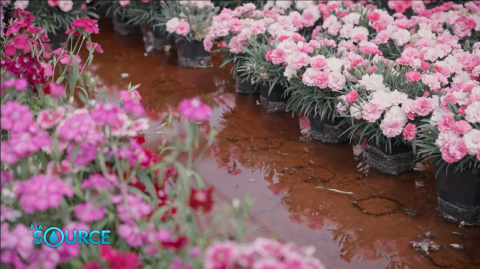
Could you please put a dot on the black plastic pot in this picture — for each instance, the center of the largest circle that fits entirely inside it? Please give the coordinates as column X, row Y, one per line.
column 399, row 160
column 458, row 194
column 328, row 130
column 161, row 40
column 57, row 40
column 275, row 101
column 122, row 27
column 243, row 85
column 193, row 55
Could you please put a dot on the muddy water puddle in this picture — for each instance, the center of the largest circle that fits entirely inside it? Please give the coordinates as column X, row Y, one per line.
column 262, row 155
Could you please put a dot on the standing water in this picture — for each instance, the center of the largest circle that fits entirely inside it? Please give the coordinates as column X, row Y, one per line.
column 354, row 219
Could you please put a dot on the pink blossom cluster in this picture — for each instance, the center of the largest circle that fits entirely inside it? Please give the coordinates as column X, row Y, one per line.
column 261, row 254
column 65, row 6
column 459, row 135
column 179, row 27
column 186, row 13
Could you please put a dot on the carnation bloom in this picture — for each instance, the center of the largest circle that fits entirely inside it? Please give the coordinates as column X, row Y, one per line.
column 201, row 199
column 413, row 76
column 54, row 89
column 193, row 109
column 409, row 131
column 220, row 255
column 41, row 193
column 88, row 212
column 351, row 96
column 88, row 25
column 15, row 117
column 182, row 28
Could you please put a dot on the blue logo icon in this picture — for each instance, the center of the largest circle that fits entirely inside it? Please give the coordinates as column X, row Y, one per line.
column 56, row 236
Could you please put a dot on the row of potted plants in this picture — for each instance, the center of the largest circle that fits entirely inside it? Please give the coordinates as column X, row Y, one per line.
column 74, row 160
column 402, row 79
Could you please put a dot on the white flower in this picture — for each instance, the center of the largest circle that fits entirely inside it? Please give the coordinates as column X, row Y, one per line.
column 396, row 113
column 445, row 138
column 21, row 4
column 309, row 77
column 472, row 141
column 65, row 6
column 334, row 64
column 472, row 113
column 289, row 72
column 373, row 82
column 355, row 112
column 283, row 4
column 437, row 114
column 359, row 30
column 461, row 77
column 301, row 5
column 352, row 18
column 400, row 36
column 346, row 31
column 336, row 81
column 172, row 24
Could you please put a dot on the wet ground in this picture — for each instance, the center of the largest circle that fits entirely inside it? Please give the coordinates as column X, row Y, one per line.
column 261, row 155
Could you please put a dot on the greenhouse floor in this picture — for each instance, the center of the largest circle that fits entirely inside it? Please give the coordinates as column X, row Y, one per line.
column 371, row 225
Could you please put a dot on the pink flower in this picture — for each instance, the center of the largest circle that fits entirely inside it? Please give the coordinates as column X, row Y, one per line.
column 456, row 150
column 131, row 234
column 462, row 127
column 124, row 3
column 208, row 44
column 391, row 127
column 267, row 263
column 94, row 46
column 220, row 255
column 422, row 106
column 351, row 96
column 463, row 27
column 182, row 28
column 409, row 131
column 76, row 127
column 88, row 212
column 268, row 56
column 15, row 117
column 278, row 56
column 57, row 169
column 413, row 76
column 20, row 84
column 41, row 193
column 319, row 62
column 373, row 16
column 54, row 89
column 126, row 95
column 133, row 208
column 106, row 113
column 98, row 181
column 193, row 109
column 446, row 122
column 87, row 24
column 321, row 80
column 49, row 118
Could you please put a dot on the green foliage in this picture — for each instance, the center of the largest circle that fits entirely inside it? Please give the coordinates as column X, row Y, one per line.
column 144, row 13
column 114, row 9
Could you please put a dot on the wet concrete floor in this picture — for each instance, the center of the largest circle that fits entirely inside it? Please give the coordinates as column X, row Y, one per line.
column 261, row 155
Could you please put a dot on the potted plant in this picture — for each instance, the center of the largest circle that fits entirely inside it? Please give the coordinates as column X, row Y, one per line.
column 450, row 139
column 55, row 17
column 189, row 23
column 229, row 32
column 316, row 80
column 118, row 10
column 146, row 16
column 385, row 106
column 260, row 70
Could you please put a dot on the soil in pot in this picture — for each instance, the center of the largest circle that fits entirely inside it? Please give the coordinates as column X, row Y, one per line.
column 58, row 40
column 243, row 85
column 458, row 194
column 399, row 160
column 120, row 26
column 275, row 101
column 193, row 55
column 328, row 130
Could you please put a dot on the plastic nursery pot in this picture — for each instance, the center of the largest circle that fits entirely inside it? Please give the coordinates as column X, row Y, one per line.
column 458, row 194
column 58, row 40
column 120, row 26
column 275, row 101
column 193, row 55
column 328, row 130
column 161, row 40
column 399, row 160
column 243, row 85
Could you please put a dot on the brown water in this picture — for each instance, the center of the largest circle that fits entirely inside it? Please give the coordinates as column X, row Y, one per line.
column 261, row 155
